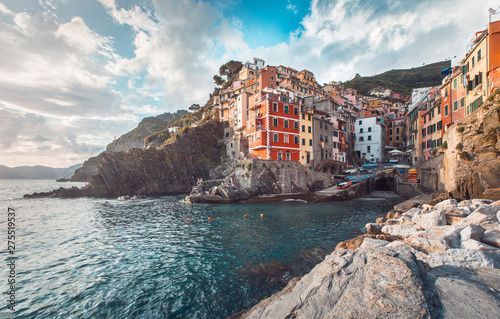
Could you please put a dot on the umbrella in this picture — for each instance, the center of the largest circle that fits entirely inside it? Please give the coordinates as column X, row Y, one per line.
column 395, row 152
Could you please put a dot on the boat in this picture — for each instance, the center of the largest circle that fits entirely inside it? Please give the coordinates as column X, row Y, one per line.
column 344, row 185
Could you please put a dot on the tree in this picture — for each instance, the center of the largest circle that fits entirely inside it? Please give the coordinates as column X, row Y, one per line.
column 218, row 80
column 194, row 107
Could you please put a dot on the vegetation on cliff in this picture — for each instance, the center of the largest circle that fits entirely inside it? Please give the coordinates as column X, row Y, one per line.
column 402, row 81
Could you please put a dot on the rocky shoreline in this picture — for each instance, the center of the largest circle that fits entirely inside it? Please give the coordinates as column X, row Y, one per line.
column 440, row 261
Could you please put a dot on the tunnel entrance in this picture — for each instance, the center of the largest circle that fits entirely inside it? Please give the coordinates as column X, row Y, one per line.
column 384, row 184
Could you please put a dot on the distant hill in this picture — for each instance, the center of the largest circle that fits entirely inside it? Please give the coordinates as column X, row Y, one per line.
column 402, row 81
column 36, row 172
column 148, row 125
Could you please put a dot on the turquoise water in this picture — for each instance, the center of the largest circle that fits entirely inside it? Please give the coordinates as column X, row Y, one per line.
column 97, row 258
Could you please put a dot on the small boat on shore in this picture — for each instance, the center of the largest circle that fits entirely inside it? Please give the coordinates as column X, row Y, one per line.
column 344, row 185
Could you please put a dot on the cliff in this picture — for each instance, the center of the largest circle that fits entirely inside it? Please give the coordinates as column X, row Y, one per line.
column 132, row 139
column 168, row 169
column 471, row 162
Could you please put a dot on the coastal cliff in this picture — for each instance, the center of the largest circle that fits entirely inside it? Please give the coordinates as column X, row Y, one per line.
column 469, row 166
column 168, row 169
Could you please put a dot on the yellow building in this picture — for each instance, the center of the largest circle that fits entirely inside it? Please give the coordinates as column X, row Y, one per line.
column 306, row 138
column 307, row 77
column 476, row 68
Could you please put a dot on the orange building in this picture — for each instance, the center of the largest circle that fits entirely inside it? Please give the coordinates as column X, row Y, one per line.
column 273, row 126
column 307, row 77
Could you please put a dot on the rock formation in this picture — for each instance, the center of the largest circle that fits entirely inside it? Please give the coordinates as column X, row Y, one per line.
column 421, row 265
column 470, row 167
column 171, row 168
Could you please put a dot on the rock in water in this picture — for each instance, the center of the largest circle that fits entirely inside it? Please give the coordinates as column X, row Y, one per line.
column 364, row 283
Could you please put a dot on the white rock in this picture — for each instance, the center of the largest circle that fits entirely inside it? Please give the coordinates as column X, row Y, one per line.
column 492, row 238
column 474, row 244
column 436, row 239
column 498, row 216
column 431, row 219
column 401, row 231
column 497, row 203
column 480, row 215
column 466, row 202
column 400, row 245
column 448, row 203
column 426, row 208
column 475, row 232
column 477, row 202
column 371, row 242
column 466, row 258
column 412, row 212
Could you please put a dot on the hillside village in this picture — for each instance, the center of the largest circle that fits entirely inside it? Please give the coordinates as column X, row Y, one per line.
column 280, row 113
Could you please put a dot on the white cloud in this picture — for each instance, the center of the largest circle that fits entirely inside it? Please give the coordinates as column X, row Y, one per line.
column 292, row 7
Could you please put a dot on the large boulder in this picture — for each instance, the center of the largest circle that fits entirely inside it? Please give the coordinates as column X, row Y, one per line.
column 492, row 238
column 475, row 232
column 431, row 219
column 435, row 239
column 465, row 258
column 362, row 283
column 400, row 231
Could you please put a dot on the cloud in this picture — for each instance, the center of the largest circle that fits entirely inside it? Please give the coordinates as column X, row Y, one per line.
column 338, row 39
column 292, row 7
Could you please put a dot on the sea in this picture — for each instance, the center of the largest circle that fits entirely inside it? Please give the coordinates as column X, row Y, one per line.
column 159, row 257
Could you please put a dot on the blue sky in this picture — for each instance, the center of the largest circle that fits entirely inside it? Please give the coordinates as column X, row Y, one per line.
column 74, row 74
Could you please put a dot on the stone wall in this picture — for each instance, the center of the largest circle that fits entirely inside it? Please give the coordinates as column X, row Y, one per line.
column 431, row 173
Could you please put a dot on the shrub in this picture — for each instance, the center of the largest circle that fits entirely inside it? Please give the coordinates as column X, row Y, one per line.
column 460, row 129
column 249, row 166
column 459, row 146
column 444, row 145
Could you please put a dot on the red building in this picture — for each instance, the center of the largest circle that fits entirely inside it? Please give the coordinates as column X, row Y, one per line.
column 273, row 126
column 452, row 98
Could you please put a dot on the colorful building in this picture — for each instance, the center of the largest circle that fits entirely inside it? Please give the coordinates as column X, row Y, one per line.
column 273, row 126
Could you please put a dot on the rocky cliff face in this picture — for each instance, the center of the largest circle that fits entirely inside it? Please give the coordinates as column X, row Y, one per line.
column 471, row 162
column 132, row 139
column 169, row 169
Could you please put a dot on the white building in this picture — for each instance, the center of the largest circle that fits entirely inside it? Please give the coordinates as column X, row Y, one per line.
column 256, row 64
column 370, row 138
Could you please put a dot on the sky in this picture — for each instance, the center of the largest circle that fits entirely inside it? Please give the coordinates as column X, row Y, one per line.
column 75, row 74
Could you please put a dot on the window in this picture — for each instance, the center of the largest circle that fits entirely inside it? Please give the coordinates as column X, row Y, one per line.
column 360, row 122
column 275, row 137
column 335, row 133
column 368, row 149
column 309, row 117
column 308, row 129
column 296, row 140
column 286, row 138
column 390, row 132
column 275, row 122
column 397, row 130
column 303, row 116
column 390, row 139
column 397, row 138
column 455, row 106
column 285, row 109
column 455, row 83
column 361, row 139
column 326, row 127
column 320, row 124
column 286, row 123
column 275, row 107
column 439, row 109
column 478, row 55
column 473, row 61
column 369, row 137
column 296, row 125
column 369, row 129
column 440, row 125
column 310, row 142
column 360, row 130
column 272, row 78
column 221, row 113
column 423, row 132
column 462, row 102
column 446, row 110
column 303, row 128
column 288, row 156
column 303, row 141
column 296, row 111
